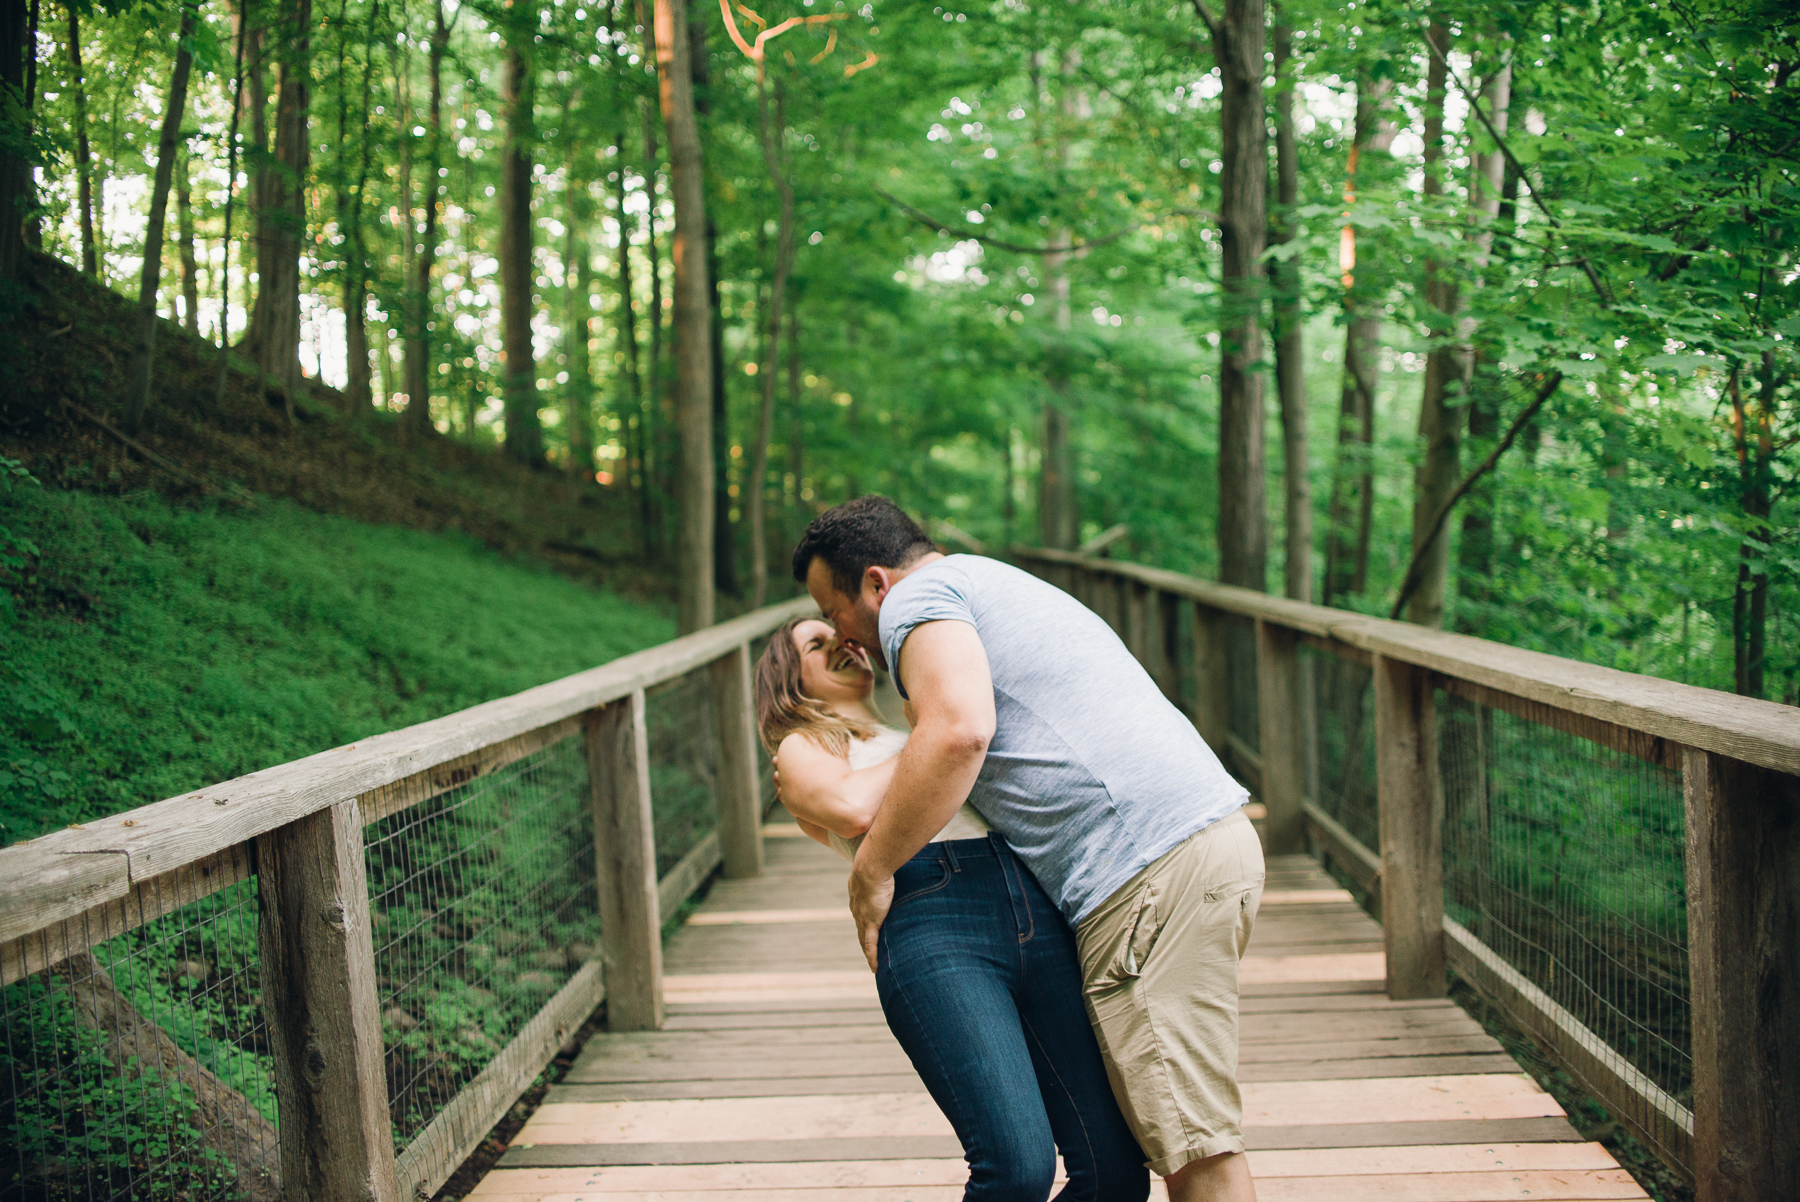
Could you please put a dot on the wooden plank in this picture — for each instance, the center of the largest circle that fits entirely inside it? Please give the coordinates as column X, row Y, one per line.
column 64, row 873
column 1628, row 1094
column 739, row 790
column 717, row 918
column 409, row 791
column 1168, row 651
column 1743, row 888
column 689, row 873
column 1212, row 678
column 1245, row 761
column 453, row 1135
column 1410, row 797
column 722, row 1153
column 1308, row 897
column 1484, row 1132
column 141, row 903
column 645, row 1091
column 1397, row 1099
column 1282, row 750
column 1656, row 750
column 1763, row 733
column 1273, row 970
column 1377, row 1066
column 625, row 859
column 323, row 1012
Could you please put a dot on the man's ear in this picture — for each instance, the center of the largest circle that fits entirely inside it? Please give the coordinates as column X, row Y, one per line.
column 878, row 580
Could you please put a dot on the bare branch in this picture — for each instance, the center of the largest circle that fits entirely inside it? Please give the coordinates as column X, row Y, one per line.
column 1206, row 18
column 1413, row 570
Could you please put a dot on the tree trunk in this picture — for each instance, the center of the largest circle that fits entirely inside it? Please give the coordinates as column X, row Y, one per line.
column 634, row 415
column 359, row 392
column 1290, row 350
column 578, row 266
column 167, row 151
column 771, row 365
column 281, row 210
column 190, row 262
column 417, row 423
column 1059, row 505
column 524, row 436
column 1237, row 39
column 15, row 170
column 797, row 418
column 1475, row 551
column 1753, row 433
column 693, row 320
column 140, row 1050
column 658, row 408
column 1352, row 506
column 1447, row 367
column 724, row 532
column 84, row 160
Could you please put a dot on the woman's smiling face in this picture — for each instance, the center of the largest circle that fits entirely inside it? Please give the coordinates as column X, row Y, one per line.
column 830, row 671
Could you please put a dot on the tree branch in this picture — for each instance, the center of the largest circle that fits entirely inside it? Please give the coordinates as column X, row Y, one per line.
column 1207, row 19
column 1413, row 569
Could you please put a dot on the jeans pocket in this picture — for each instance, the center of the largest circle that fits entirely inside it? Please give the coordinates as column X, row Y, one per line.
column 915, row 880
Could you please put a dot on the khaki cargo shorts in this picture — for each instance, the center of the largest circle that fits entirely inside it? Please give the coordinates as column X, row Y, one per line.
column 1159, row 961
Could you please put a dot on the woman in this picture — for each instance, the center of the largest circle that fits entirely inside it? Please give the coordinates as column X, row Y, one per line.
column 977, row 973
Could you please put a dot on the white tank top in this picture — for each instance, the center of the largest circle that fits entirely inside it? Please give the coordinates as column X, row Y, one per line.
column 884, row 746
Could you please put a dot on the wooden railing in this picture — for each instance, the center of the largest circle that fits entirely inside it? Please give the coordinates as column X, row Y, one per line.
column 1738, row 761
column 298, row 829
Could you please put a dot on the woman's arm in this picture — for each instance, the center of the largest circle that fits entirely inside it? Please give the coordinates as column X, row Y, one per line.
column 822, row 789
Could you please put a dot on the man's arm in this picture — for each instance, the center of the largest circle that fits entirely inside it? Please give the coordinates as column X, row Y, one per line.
column 945, row 669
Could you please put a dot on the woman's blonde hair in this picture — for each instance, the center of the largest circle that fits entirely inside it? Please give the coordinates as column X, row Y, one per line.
column 783, row 709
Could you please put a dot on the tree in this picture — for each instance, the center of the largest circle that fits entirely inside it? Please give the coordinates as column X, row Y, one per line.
column 1290, row 344
column 518, row 92
column 280, row 205
column 418, row 294
column 1237, row 43
column 15, row 169
column 84, row 161
column 776, row 307
column 693, row 321
column 150, row 278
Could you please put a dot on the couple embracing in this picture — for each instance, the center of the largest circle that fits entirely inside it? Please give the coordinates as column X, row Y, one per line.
column 1053, row 877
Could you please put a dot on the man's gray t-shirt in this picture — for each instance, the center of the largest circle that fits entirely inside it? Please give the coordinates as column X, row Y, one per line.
column 1092, row 774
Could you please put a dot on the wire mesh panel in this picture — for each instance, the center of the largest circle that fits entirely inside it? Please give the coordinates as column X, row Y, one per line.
column 484, row 904
column 1344, row 709
column 1566, row 858
column 140, row 1068
column 684, row 764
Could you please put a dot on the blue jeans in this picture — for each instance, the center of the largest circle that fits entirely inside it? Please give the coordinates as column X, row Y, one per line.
column 980, row 983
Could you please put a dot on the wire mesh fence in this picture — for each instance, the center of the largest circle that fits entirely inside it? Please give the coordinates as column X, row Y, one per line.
column 1344, row 710
column 483, row 904
column 137, row 1063
column 684, row 764
column 1566, row 858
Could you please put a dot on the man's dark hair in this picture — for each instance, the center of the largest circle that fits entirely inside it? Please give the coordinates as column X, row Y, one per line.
column 870, row 531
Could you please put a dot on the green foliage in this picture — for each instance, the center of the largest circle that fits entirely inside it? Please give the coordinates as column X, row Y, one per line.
column 154, row 648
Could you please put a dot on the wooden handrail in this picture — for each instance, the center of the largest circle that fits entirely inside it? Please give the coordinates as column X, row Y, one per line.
column 1764, row 733
column 62, row 874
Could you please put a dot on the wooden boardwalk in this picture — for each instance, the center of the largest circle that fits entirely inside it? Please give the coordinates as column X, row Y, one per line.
column 776, row 1078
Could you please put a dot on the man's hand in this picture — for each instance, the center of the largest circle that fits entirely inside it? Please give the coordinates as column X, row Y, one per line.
column 870, row 901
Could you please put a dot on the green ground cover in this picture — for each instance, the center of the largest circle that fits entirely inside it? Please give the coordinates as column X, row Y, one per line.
column 152, row 647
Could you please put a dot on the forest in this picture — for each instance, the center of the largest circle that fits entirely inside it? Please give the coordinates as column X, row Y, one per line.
column 1479, row 315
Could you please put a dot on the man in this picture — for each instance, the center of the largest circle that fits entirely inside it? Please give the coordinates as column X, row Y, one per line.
column 1030, row 708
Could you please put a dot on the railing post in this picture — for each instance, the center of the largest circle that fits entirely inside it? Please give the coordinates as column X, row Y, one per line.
column 1743, row 905
column 740, row 793
column 618, row 749
column 1137, row 601
column 1282, row 743
column 1410, row 799
column 323, row 1010
column 1212, row 677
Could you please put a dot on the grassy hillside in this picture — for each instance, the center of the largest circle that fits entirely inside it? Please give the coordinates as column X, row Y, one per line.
column 154, row 646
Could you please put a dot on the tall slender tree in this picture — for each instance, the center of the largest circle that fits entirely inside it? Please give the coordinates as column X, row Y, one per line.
column 150, row 278
column 1237, row 43
column 274, row 337
column 1290, row 344
column 190, row 260
column 84, row 159
column 773, row 135
column 15, row 168
column 518, row 91
column 418, row 292
column 693, row 320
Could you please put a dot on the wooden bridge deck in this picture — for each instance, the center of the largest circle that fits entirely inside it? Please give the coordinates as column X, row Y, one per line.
column 776, row 1078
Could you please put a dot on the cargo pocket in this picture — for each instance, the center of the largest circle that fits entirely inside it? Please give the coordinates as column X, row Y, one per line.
column 1140, row 940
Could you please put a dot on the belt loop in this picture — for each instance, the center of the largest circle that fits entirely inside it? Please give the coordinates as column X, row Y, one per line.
column 949, row 846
